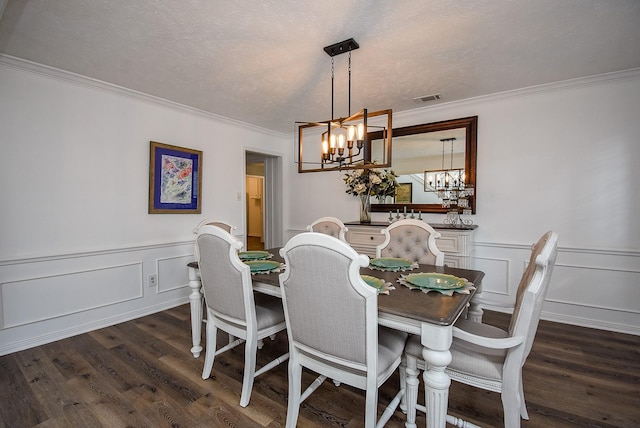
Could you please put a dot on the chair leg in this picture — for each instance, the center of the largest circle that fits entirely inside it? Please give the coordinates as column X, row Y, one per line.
column 511, row 408
column 523, row 405
column 250, row 350
column 295, row 390
column 410, row 383
column 371, row 407
column 402, row 371
column 210, row 352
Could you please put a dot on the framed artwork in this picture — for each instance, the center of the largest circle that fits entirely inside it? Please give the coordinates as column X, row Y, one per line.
column 403, row 193
column 175, row 180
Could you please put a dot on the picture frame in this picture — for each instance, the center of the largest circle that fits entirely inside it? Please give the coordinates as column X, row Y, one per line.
column 403, row 193
column 175, row 179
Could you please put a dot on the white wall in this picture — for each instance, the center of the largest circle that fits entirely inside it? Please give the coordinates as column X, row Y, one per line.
column 77, row 244
column 76, row 241
column 565, row 157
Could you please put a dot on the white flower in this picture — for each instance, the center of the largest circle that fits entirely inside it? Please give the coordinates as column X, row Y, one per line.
column 360, row 188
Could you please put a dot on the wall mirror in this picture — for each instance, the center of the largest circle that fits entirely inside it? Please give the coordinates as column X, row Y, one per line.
column 420, row 148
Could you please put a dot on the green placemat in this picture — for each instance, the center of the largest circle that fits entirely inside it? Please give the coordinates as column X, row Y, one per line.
column 254, row 255
column 436, row 281
column 392, row 264
column 263, row 266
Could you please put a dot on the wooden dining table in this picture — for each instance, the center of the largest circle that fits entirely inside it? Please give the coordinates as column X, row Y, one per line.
column 428, row 315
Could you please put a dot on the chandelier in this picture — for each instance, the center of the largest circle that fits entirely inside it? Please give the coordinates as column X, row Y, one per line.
column 450, row 185
column 361, row 140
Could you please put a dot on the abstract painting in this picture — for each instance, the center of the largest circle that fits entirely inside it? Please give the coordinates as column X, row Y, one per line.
column 175, row 179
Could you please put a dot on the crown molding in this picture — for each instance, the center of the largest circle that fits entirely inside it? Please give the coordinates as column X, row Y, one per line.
column 78, row 79
column 630, row 74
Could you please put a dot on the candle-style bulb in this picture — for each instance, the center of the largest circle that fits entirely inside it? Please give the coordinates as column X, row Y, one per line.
column 361, row 131
column 351, row 133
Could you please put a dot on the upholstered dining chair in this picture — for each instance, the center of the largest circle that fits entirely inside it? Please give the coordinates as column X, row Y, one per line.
column 411, row 239
column 329, row 226
column 490, row 358
column 332, row 323
column 232, row 306
column 214, row 222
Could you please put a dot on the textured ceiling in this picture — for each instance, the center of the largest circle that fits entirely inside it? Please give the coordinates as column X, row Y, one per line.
column 262, row 62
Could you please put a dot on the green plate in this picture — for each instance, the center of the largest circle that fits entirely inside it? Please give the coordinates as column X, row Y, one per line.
column 262, row 265
column 391, row 263
column 435, row 281
column 254, row 255
column 373, row 281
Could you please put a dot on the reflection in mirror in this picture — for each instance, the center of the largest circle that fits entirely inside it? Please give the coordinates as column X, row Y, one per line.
column 421, row 148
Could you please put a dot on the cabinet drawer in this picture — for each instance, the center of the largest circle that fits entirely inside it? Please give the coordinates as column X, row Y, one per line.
column 450, row 244
column 371, row 239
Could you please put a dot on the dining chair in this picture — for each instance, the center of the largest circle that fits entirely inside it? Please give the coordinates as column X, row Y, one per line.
column 232, row 306
column 490, row 358
column 411, row 239
column 214, row 222
column 332, row 323
column 329, row 226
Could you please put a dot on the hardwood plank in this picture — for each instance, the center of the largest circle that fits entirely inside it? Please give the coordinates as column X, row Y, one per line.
column 141, row 373
column 19, row 403
column 61, row 403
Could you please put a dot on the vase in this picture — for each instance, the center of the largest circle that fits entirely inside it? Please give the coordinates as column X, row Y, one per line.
column 365, row 206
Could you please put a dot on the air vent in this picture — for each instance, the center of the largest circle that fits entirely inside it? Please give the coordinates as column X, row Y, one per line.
column 427, row 98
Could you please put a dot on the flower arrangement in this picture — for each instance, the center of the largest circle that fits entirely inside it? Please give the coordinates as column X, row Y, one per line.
column 365, row 183
column 374, row 182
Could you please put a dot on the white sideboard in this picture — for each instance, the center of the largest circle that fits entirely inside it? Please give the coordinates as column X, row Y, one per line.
column 456, row 243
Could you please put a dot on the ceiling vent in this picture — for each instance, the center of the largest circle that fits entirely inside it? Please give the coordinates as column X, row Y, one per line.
column 427, row 98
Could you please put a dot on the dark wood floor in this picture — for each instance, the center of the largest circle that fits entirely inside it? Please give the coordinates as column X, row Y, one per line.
column 141, row 374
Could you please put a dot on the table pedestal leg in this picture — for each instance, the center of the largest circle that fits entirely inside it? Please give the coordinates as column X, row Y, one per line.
column 475, row 312
column 195, row 302
column 436, row 341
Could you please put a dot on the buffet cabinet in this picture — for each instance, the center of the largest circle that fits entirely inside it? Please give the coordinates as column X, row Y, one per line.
column 456, row 243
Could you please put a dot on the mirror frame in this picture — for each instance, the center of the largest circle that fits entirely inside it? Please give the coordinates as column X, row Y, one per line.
column 471, row 130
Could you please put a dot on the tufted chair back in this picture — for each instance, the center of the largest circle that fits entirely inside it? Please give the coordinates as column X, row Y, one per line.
column 411, row 239
column 329, row 226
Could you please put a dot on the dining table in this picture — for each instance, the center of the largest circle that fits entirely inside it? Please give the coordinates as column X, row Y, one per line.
column 430, row 315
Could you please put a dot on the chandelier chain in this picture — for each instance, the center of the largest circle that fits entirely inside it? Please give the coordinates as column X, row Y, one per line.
column 349, row 82
column 332, row 75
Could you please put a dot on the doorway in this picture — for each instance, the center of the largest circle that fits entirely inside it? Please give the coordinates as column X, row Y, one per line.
column 263, row 199
column 255, row 208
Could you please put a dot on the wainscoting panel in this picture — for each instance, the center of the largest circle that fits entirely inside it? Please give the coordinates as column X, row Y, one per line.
column 64, row 294
column 173, row 273
column 47, row 298
column 593, row 287
column 589, row 287
column 496, row 272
